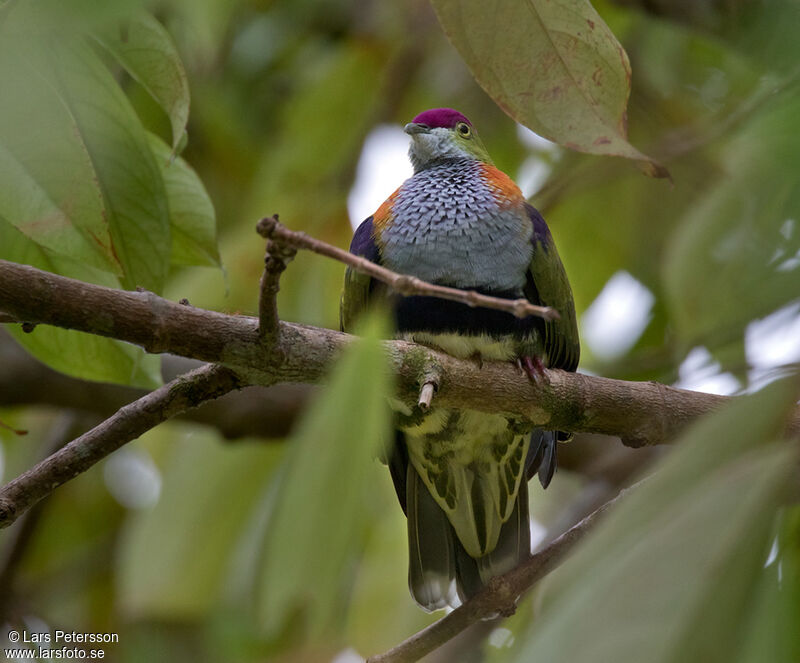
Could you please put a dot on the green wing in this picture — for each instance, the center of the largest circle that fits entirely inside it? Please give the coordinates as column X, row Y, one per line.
column 358, row 287
column 547, row 285
column 355, row 298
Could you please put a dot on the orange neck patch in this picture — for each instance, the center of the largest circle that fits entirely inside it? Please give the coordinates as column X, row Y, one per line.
column 383, row 215
column 503, row 188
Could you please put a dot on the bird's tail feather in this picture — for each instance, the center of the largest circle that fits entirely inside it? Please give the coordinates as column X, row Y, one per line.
column 441, row 572
column 514, row 544
column 542, row 458
column 431, row 548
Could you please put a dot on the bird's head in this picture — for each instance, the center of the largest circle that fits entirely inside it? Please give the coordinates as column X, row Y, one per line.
column 440, row 134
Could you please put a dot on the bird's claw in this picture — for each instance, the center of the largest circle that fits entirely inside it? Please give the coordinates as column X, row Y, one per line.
column 532, row 367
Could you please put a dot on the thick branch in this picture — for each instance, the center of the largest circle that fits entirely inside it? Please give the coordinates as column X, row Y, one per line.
column 266, row 412
column 499, row 596
column 127, row 424
column 402, row 283
column 638, row 412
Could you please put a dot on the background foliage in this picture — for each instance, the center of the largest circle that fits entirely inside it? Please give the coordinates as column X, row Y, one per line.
column 194, row 550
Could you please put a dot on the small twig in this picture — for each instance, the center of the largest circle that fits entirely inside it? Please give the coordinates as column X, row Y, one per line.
column 499, row 596
column 430, row 381
column 127, row 424
column 406, row 285
column 16, row 431
column 426, row 396
column 279, row 254
column 5, row 318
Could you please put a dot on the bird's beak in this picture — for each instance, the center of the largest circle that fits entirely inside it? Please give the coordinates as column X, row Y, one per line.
column 414, row 128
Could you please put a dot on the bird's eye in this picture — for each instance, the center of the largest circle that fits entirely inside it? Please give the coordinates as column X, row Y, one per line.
column 464, row 129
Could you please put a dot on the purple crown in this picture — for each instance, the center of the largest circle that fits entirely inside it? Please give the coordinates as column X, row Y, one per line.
column 441, row 117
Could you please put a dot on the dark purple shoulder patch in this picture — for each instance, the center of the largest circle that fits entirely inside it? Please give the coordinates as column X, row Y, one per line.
column 441, row 117
column 541, row 233
column 363, row 243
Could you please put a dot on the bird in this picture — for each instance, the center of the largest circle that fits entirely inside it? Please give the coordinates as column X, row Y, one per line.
column 461, row 475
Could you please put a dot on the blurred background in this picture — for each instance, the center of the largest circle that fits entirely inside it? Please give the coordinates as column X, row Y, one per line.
column 297, row 108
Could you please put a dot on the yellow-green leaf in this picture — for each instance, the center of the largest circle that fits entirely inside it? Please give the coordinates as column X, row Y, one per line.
column 669, row 575
column 316, row 527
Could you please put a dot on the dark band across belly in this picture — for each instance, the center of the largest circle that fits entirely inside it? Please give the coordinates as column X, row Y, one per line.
column 431, row 314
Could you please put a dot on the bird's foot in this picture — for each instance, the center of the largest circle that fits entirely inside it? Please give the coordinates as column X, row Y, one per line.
column 533, row 368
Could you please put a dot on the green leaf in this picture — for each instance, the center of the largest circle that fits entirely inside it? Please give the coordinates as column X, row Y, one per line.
column 146, row 51
column 669, row 575
column 552, row 65
column 772, row 635
column 50, row 191
column 60, row 211
column 74, row 353
column 91, row 357
column 317, row 524
column 68, row 124
column 191, row 213
column 743, row 235
column 176, row 557
column 116, row 142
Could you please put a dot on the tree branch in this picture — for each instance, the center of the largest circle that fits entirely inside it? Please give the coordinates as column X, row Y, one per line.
column 638, row 412
column 269, row 413
column 499, row 596
column 278, row 256
column 127, row 424
column 402, row 283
